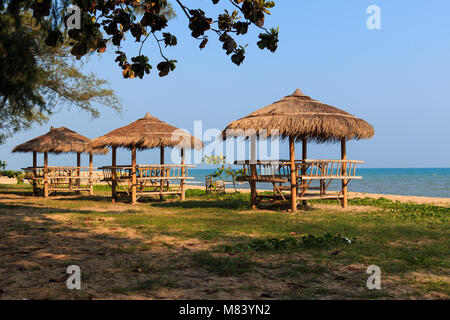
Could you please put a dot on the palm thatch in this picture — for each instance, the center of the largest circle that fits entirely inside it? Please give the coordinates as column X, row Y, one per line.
column 147, row 133
column 299, row 116
column 59, row 140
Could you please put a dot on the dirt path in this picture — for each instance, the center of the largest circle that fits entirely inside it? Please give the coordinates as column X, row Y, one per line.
column 39, row 241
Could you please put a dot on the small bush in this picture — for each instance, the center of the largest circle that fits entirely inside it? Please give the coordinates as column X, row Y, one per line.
column 274, row 244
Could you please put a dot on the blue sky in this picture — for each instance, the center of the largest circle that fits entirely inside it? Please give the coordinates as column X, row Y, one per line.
column 396, row 78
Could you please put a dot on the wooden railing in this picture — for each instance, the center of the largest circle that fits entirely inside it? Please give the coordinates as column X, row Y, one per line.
column 62, row 178
column 328, row 169
column 272, row 170
column 147, row 172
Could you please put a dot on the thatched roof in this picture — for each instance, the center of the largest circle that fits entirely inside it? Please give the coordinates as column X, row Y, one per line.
column 147, row 133
column 300, row 116
column 59, row 140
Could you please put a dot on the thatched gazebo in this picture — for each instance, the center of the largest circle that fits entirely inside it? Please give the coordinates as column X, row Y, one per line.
column 297, row 117
column 58, row 178
column 137, row 180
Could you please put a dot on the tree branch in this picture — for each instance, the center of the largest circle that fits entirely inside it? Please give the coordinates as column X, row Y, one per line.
column 184, row 9
column 160, row 49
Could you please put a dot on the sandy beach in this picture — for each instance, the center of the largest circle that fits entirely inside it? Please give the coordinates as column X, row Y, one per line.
column 420, row 200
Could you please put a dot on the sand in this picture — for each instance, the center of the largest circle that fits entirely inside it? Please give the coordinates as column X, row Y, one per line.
column 6, row 180
column 400, row 198
column 421, row 200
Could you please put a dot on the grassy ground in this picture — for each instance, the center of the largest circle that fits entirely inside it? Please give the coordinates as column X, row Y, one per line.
column 216, row 247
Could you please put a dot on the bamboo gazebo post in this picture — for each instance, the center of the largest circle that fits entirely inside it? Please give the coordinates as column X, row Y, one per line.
column 45, row 175
column 113, row 174
column 162, row 182
column 303, row 171
column 34, row 173
column 253, row 171
column 254, row 193
column 344, row 170
column 133, row 176
column 77, row 171
column 91, row 180
column 183, row 174
column 293, row 174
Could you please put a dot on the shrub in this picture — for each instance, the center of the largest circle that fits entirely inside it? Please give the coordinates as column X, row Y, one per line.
column 19, row 175
column 274, row 244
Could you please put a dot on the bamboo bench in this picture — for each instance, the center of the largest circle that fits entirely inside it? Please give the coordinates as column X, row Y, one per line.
column 151, row 180
column 214, row 186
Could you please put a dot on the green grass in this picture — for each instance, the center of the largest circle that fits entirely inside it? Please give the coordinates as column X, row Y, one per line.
column 409, row 211
column 403, row 239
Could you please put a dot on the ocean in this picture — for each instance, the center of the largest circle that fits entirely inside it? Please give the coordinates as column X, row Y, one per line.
column 433, row 182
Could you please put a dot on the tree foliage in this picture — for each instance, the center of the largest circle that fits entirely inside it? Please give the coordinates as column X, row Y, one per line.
column 35, row 78
column 107, row 23
column 37, row 48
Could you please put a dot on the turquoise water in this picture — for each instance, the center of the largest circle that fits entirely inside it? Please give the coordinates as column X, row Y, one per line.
column 408, row 182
